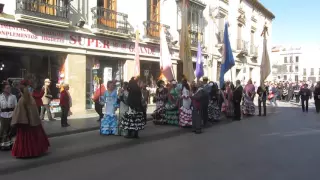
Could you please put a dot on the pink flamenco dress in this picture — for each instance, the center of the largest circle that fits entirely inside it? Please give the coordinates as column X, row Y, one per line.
column 185, row 116
column 31, row 140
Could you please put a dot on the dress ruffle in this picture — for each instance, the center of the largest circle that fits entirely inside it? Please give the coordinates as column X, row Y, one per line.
column 214, row 111
column 248, row 107
column 185, row 117
column 31, row 141
column 109, row 125
column 133, row 120
column 159, row 115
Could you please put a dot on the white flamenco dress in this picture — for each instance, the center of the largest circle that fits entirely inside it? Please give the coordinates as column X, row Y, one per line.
column 185, row 117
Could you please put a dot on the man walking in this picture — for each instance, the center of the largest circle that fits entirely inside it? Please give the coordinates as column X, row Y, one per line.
column 237, row 97
column 96, row 99
column 305, row 94
column 262, row 92
column 46, row 99
column 205, row 101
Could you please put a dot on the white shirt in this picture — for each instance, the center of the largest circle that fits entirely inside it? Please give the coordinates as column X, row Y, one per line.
column 11, row 102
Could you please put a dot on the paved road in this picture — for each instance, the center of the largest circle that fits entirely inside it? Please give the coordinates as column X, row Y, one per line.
column 282, row 146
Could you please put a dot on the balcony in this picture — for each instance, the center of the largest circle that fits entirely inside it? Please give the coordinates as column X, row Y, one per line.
column 109, row 22
column 242, row 46
column 194, row 38
column 152, row 31
column 254, row 51
column 55, row 13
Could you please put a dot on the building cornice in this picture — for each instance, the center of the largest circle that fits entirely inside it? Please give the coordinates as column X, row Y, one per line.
column 257, row 5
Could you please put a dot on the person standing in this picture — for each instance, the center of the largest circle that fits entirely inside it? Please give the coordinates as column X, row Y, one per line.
column 296, row 90
column 124, row 107
column 196, row 109
column 46, row 99
column 145, row 98
column 249, row 93
column 237, row 97
column 215, row 102
column 133, row 120
column 290, row 92
column 262, row 92
column 316, row 96
column 98, row 102
column 172, row 105
column 15, row 90
column 65, row 104
column 109, row 123
column 31, row 140
column 305, row 94
column 312, row 90
column 205, row 101
column 37, row 94
column 160, row 99
column 8, row 102
column 185, row 117
column 273, row 93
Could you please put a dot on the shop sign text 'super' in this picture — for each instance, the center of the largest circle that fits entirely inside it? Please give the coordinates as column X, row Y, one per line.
column 54, row 37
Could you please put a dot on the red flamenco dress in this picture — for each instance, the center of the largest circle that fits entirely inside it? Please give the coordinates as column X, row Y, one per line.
column 31, row 140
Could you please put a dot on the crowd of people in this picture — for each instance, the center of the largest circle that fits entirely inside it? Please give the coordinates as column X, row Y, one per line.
column 189, row 105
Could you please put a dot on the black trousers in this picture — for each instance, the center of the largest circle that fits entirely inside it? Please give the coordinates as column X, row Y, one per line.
column 98, row 107
column 237, row 110
column 317, row 103
column 46, row 107
column 263, row 102
column 64, row 115
column 304, row 103
column 204, row 113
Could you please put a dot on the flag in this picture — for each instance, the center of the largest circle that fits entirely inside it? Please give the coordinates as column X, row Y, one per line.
column 265, row 68
column 137, row 57
column 185, row 49
column 227, row 56
column 199, row 65
column 165, row 57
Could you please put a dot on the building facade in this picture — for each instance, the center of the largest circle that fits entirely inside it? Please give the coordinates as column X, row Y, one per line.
column 295, row 63
column 246, row 19
column 76, row 41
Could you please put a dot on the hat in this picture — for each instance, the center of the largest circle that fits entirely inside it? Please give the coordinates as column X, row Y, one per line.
column 47, row 80
column 205, row 78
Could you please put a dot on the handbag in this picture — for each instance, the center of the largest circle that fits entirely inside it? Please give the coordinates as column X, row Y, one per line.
column 270, row 96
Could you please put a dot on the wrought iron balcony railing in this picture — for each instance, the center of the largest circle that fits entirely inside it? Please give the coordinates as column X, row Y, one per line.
column 254, row 50
column 242, row 45
column 110, row 20
column 53, row 10
column 153, row 29
column 194, row 38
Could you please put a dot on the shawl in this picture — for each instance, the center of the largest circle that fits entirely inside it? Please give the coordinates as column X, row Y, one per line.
column 249, row 88
column 26, row 114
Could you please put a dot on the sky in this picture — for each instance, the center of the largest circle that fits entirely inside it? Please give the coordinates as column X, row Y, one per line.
column 297, row 22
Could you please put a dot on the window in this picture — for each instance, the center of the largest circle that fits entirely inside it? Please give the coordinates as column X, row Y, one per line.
column 291, row 61
column 153, row 16
column 239, row 37
column 221, row 27
column 319, row 71
column 51, row 7
column 304, row 71
column 297, row 59
column 195, row 24
column 296, row 68
column 107, row 12
column 312, row 72
column 285, row 77
column 296, row 78
column 291, row 69
column 285, row 60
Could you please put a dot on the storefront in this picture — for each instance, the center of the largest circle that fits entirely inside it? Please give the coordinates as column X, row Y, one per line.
column 71, row 57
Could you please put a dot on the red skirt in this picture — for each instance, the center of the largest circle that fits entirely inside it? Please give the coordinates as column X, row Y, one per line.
column 31, row 141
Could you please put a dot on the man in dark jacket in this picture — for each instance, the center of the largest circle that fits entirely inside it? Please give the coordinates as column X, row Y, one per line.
column 262, row 92
column 316, row 96
column 237, row 97
column 296, row 90
column 305, row 94
column 205, row 100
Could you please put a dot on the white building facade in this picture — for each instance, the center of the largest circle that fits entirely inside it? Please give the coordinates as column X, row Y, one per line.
column 69, row 40
column 247, row 19
column 295, row 64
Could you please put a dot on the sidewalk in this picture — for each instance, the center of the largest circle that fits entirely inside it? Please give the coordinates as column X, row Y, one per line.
column 79, row 123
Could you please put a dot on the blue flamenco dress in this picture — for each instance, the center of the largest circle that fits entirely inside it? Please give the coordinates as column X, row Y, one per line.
column 109, row 123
